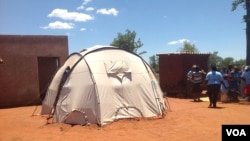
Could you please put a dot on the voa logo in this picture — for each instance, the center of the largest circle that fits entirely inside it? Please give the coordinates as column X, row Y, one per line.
column 236, row 132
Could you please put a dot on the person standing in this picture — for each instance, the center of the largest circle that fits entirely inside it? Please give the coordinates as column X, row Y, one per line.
column 246, row 77
column 196, row 81
column 243, row 81
column 224, row 91
column 189, row 80
column 195, row 78
column 213, row 80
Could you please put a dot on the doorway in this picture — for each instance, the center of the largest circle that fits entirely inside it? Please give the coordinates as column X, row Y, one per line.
column 47, row 67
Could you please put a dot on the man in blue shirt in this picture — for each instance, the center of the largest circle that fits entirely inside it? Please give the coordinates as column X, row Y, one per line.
column 213, row 80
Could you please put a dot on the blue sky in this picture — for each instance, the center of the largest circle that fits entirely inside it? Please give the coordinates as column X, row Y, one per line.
column 161, row 25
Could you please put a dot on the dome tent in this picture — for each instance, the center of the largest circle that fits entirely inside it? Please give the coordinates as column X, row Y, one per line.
column 102, row 84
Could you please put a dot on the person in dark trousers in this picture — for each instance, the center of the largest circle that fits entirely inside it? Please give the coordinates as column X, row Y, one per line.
column 214, row 80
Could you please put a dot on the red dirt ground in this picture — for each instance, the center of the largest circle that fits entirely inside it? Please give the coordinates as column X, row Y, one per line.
column 185, row 121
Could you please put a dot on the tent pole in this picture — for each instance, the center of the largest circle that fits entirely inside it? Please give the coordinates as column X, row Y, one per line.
column 154, row 88
column 34, row 110
column 97, row 93
column 66, row 72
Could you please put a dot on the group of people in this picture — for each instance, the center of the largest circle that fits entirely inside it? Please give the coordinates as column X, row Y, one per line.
column 237, row 81
column 229, row 80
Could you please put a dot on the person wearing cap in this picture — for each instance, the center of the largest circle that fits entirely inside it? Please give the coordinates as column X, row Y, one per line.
column 214, row 80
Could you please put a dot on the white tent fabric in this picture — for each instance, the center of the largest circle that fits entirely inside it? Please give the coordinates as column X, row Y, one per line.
column 103, row 84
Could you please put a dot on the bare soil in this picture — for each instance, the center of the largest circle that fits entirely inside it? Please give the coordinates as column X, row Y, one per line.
column 184, row 121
